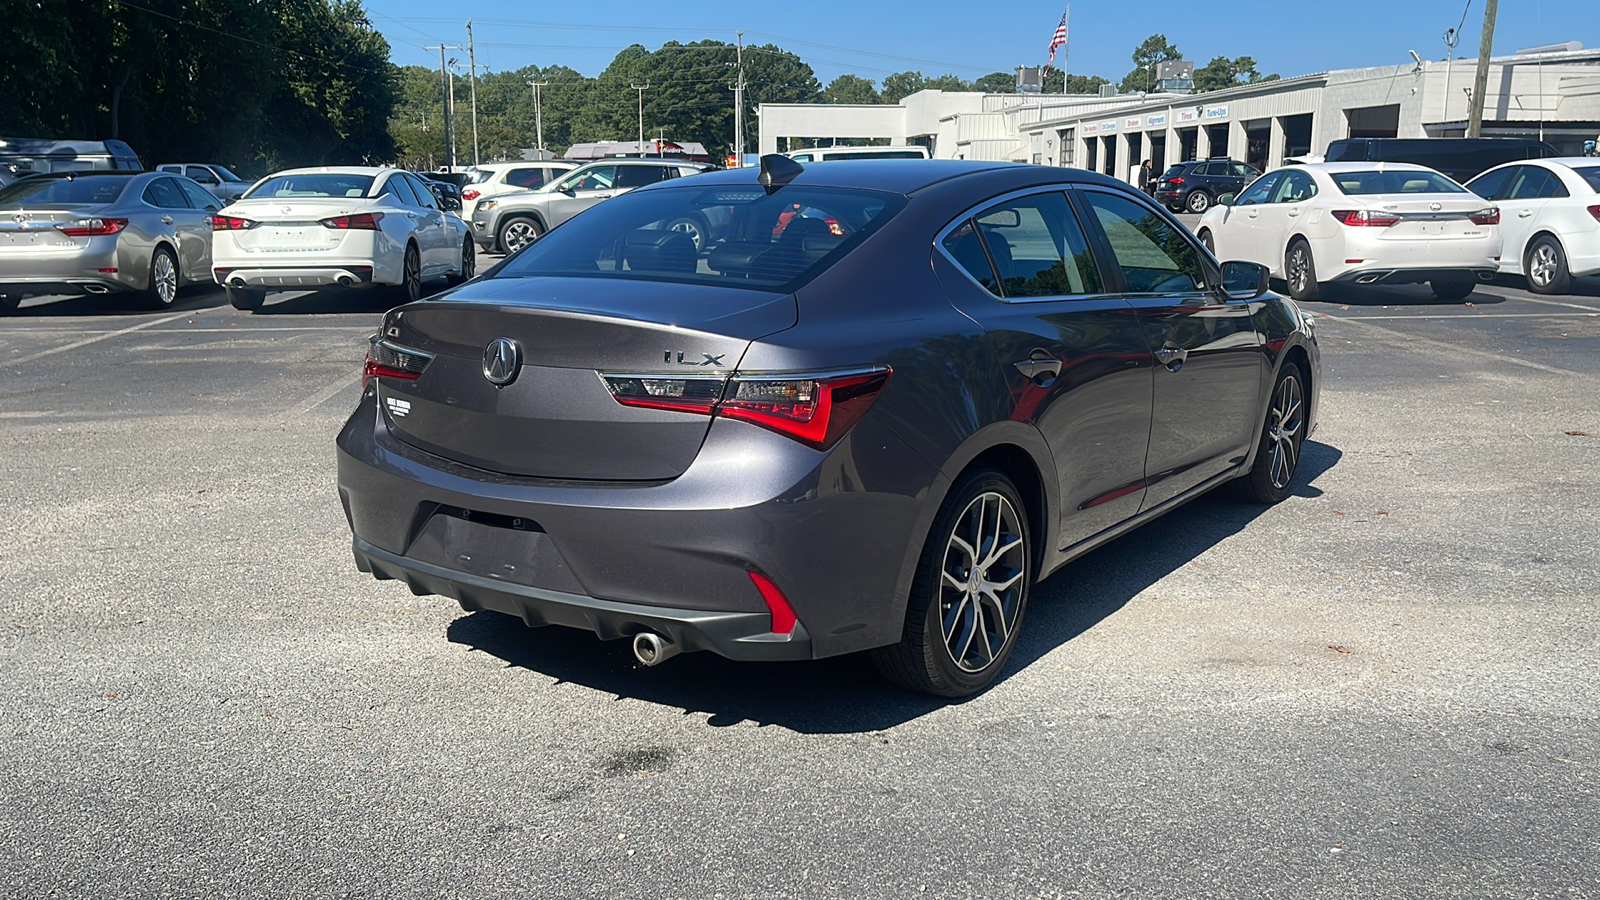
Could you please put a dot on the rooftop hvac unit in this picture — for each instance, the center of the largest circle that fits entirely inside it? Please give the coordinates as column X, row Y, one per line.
column 1030, row 80
column 1108, row 90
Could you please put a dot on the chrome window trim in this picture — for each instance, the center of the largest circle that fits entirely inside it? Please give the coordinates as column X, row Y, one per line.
column 1060, row 188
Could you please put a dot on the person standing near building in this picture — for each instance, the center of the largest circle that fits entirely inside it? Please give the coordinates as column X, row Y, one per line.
column 1147, row 178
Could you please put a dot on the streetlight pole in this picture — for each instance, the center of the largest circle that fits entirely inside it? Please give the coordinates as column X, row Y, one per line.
column 641, row 89
column 538, row 113
column 447, row 90
column 1480, row 82
column 454, row 64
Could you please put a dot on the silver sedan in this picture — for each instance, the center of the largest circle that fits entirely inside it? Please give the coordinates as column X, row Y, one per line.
column 139, row 233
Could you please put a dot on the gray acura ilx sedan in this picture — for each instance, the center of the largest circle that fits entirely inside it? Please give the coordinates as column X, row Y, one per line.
column 884, row 402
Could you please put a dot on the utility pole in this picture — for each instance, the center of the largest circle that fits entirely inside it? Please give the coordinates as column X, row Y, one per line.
column 1480, row 84
column 445, row 89
column 538, row 112
column 641, row 89
column 454, row 64
column 738, row 104
column 472, row 77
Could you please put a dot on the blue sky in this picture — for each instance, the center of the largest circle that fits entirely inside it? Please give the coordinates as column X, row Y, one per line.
column 970, row 39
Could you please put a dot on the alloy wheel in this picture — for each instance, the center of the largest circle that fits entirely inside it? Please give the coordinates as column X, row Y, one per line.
column 1297, row 268
column 469, row 260
column 412, row 284
column 1284, row 423
column 981, row 582
column 519, row 234
column 164, row 278
column 1542, row 265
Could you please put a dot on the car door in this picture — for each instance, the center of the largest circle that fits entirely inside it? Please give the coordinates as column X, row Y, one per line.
column 1211, row 364
column 579, row 191
column 188, row 227
column 433, row 233
column 1241, row 235
column 201, row 199
column 1288, row 213
column 1071, row 356
column 1528, row 192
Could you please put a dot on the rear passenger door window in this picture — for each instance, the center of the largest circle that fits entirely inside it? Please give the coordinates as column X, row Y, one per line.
column 1152, row 254
column 164, row 192
column 1032, row 246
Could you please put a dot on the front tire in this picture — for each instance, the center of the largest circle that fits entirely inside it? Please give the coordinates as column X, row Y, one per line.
column 1282, row 435
column 969, row 593
column 1451, row 290
column 247, row 299
column 1211, row 244
column 519, row 232
column 1198, row 202
column 162, row 290
column 1300, row 271
column 1546, row 267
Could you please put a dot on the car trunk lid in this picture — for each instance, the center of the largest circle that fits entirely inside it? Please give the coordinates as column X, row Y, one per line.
column 292, row 224
column 26, row 230
column 556, row 418
column 1428, row 216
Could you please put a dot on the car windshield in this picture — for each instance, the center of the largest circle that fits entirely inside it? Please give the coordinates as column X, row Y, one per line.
column 226, row 175
column 736, row 236
column 94, row 189
column 312, row 184
column 1590, row 174
column 1410, row 181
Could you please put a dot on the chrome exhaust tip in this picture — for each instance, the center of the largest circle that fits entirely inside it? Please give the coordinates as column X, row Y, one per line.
column 96, row 289
column 652, row 649
column 237, row 282
column 346, row 281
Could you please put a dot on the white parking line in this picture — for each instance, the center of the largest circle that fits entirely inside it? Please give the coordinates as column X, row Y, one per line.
column 1449, row 348
column 327, row 393
column 1594, row 308
column 85, row 342
column 1473, row 316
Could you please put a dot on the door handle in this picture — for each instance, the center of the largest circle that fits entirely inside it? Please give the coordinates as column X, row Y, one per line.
column 1172, row 357
column 1040, row 366
column 1294, row 212
column 166, row 220
column 1254, row 213
column 1525, row 214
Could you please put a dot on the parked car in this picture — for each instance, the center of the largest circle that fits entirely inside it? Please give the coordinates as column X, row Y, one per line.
column 217, row 179
column 510, row 221
column 823, row 154
column 448, row 193
column 1195, row 185
column 816, row 443
column 1549, row 219
column 1459, row 158
column 1362, row 223
column 21, row 157
column 352, row 227
column 494, row 179
column 142, row 235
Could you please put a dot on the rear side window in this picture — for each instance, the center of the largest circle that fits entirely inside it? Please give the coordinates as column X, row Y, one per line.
column 1029, row 247
column 737, row 236
column 1591, row 174
column 527, row 178
column 1535, row 183
column 164, row 192
column 1153, row 256
column 639, row 176
column 401, row 189
column 1395, row 182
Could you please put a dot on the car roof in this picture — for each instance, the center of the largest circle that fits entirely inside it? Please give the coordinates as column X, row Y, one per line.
column 899, row 176
column 518, row 164
column 337, row 170
column 94, row 173
column 1337, row 167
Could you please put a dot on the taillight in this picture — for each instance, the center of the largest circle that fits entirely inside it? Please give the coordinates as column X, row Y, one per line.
column 815, row 410
column 93, row 227
column 230, row 223
column 1174, row 181
column 1490, row 216
column 386, row 360
column 1595, row 211
column 357, row 222
column 1365, row 218
column 470, row 194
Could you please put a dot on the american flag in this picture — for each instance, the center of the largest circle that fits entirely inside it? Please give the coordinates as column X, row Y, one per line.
column 1059, row 38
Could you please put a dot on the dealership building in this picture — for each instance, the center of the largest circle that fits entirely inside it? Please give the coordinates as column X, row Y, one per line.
column 1551, row 93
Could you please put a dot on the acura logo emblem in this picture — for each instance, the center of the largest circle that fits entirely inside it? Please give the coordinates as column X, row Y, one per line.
column 502, row 359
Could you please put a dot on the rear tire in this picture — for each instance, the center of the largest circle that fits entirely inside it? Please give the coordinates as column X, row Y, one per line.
column 1197, row 202
column 694, row 228
column 1300, row 271
column 1546, row 266
column 247, row 299
column 409, row 290
column 162, row 289
column 1451, row 290
column 469, row 263
column 519, row 232
column 1283, row 434
column 969, row 593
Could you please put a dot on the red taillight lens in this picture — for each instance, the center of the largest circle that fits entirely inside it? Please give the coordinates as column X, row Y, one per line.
column 470, row 194
column 816, row 411
column 357, row 222
column 1174, row 181
column 93, row 227
column 783, row 617
column 1365, row 218
column 1595, row 211
column 386, row 360
column 1490, row 216
column 230, row 223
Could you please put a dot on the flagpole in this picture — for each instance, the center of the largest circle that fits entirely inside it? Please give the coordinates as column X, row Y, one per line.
column 1066, row 47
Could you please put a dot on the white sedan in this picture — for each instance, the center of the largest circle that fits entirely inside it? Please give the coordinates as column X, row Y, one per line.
column 348, row 227
column 1361, row 223
column 1550, row 220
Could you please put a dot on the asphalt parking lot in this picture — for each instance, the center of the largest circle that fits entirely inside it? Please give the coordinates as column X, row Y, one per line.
column 1383, row 687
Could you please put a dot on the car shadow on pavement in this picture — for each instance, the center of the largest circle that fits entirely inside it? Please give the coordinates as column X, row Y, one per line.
column 845, row 695
column 331, row 300
column 1405, row 295
column 190, row 298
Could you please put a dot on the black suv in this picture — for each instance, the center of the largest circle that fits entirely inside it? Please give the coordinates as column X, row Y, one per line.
column 1460, row 158
column 1197, row 184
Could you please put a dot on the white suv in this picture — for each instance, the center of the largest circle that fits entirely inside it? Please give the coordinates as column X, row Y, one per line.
column 494, row 179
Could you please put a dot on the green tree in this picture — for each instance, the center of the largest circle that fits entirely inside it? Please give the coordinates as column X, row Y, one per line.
column 901, row 85
column 850, row 89
column 997, row 83
column 947, row 82
column 1155, row 49
column 1058, row 82
column 1223, row 72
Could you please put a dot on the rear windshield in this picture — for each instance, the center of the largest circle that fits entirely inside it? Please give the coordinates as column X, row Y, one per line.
column 1590, row 174
column 94, row 189
column 736, row 236
column 870, row 154
column 1412, row 182
column 312, row 184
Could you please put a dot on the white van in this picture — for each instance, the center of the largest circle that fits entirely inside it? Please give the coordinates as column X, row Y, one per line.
column 823, row 154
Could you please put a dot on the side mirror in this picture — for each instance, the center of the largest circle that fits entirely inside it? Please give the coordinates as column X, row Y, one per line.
column 1226, row 199
column 1244, row 280
column 450, row 204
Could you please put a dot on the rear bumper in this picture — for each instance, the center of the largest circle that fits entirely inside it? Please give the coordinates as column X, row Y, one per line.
column 293, row 277
column 73, row 270
column 1390, row 275
column 68, row 287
